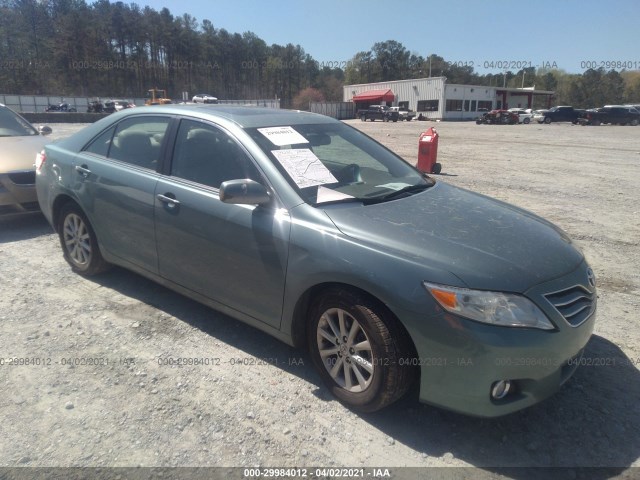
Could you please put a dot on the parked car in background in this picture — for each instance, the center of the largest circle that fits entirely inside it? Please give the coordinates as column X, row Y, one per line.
column 498, row 117
column 538, row 115
column 378, row 112
column 562, row 114
column 404, row 113
column 60, row 107
column 204, row 98
column 610, row 114
column 308, row 229
column 20, row 142
column 524, row 115
column 95, row 106
column 112, row 106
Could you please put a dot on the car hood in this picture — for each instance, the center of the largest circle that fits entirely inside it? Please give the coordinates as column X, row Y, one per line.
column 486, row 243
column 19, row 153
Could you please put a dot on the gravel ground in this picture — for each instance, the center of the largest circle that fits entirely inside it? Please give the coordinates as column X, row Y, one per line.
column 97, row 390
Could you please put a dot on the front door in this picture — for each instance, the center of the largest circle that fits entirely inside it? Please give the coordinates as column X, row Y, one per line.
column 235, row 255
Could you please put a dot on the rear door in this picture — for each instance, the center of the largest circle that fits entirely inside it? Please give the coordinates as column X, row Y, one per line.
column 235, row 255
column 115, row 179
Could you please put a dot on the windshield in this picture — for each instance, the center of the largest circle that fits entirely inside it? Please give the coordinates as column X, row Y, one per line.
column 13, row 125
column 330, row 163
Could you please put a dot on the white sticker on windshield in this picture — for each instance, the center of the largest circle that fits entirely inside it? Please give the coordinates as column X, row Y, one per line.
column 329, row 195
column 282, row 136
column 394, row 186
column 304, row 167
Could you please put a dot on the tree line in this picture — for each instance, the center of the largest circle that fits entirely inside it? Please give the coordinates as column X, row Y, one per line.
column 103, row 49
column 69, row 47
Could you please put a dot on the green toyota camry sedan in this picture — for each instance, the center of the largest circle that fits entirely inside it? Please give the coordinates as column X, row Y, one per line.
column 313, row 232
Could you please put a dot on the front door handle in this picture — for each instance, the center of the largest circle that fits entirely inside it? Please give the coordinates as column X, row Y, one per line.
column 169, row 201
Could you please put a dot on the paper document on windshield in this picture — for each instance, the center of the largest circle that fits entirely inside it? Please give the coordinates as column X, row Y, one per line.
column 328, row 195
column 281, row 136
column 394, row 186
column 304, row 167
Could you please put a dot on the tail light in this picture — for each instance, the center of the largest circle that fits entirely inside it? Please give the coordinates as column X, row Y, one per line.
column 41, row 159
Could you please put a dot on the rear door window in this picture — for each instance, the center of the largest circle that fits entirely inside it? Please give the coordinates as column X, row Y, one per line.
column 135, row 140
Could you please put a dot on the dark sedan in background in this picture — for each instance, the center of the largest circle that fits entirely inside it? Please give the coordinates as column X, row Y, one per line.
column 304, row 227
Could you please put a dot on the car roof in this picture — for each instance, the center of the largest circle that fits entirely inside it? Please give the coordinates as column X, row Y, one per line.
column 241, row 116
column 245, row 117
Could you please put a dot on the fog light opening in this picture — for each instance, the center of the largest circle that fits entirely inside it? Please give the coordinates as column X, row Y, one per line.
column 501, row 389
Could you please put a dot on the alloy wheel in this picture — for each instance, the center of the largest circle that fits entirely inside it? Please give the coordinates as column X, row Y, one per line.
column 345, row 350
column 77, row 240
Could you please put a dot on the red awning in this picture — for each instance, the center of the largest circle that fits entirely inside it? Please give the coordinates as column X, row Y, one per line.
column 374, row 96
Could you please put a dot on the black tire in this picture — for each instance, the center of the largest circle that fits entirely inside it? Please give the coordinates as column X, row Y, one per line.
column 526, row 121
column 437, row 168
column 547, row 120
column 370, row 368
column 79, row 242
column 634, row 123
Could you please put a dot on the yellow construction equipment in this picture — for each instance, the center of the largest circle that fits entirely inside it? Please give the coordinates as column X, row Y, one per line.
column 156, row 96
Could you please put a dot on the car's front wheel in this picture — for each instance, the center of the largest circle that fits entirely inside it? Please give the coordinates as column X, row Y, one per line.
column 79, row 242
column 360, row 352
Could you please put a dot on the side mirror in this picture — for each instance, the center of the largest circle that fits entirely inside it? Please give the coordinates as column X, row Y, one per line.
column 244, row 192
column 44, row 130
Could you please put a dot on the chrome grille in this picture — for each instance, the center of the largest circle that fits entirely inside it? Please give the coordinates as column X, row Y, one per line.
column 575, row 304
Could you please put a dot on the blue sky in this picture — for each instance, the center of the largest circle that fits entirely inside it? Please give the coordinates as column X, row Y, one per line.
column 570, row 34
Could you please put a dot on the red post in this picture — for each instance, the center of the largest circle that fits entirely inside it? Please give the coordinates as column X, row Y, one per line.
column 428, row 152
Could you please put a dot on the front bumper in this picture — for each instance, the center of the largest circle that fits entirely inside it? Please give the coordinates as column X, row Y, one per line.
column 460, row 360
column 18, row 192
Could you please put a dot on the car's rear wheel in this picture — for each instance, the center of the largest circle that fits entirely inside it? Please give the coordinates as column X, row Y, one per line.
column 360, row 352
column 633, row 123
column 79, row 242
column 547, row 120
column 526, row 121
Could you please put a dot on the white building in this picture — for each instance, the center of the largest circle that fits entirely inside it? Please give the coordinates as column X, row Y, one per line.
column 434, row 98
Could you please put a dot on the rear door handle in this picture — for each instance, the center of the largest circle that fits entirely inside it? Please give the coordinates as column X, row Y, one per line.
column 170, row 202
column 83, row 170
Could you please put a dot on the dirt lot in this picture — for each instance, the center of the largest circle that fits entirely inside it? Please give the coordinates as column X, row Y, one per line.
column 96, row 391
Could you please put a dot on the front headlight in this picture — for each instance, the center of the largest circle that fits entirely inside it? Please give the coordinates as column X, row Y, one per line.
column 494, row 308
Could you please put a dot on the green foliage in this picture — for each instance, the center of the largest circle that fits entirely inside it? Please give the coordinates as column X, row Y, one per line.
column 301, row 100
column 67, row 47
